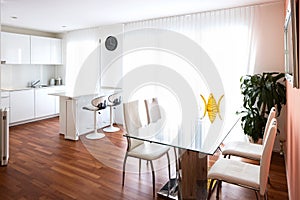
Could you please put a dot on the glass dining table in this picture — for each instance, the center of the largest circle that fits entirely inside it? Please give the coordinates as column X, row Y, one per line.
column 194, row 143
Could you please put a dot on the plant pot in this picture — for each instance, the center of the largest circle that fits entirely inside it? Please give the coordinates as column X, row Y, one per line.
column 259, row 141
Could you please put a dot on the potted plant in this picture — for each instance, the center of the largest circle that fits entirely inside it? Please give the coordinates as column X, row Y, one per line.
column 260, row 93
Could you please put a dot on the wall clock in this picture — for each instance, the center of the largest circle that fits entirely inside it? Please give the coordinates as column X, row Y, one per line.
column 111, row 43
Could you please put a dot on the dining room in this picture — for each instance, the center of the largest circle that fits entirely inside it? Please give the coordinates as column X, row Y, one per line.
column 150, row 105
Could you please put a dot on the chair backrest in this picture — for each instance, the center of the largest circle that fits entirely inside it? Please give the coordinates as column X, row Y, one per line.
column 153, row 110
column 131, row 116
column 266, row 156
column 99, row 102
column 115, row 99
column 271, row 116
column 132, row 122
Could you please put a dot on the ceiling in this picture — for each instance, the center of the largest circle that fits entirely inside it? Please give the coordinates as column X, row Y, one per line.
column 64, row 15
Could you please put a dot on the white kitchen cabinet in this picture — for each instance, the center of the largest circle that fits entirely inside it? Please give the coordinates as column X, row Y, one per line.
column 45, row 104
column 21, row 105
column 5, row 101
column 45, row 50
column 56, row 51
column 15, row 48
column 40, row 50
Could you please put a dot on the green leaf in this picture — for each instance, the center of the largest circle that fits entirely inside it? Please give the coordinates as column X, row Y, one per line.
column 261, row 92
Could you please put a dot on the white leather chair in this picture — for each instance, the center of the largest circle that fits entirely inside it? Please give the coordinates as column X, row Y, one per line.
column 244, row 174
column 113, row 101
column 152, row 110
column 248, row 150
column 137, row 148
column 97, row 104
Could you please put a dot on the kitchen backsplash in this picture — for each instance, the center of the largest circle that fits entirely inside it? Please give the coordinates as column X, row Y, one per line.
column 18, row 76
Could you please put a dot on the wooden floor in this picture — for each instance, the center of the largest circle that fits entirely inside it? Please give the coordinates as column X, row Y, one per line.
column 43, row 165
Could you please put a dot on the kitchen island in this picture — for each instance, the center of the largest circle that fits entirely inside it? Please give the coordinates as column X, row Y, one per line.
column 73, row 120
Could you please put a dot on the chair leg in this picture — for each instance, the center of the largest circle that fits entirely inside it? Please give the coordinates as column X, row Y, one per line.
column 266, row 196
column 111, row 116
column 227, row 155
column 169, row 165
column 124, row 164
column 256, row 195
column 219, row 148
column 153, row 177
column 178, row 178
column 95, row 122
column 140, row 163
column 175, row 154
column 219, row 183
column 169, row 169
column 177, row 164
column 210, row 189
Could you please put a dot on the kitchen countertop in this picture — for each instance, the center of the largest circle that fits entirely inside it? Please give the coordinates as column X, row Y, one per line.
column 29, row 88
column 104, row 91
column 15, row 89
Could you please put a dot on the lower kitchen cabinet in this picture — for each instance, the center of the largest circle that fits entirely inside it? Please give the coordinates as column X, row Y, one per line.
column 33, row 104
column 21, row 105
column 45, row 104
column 4, row 99
column 5, row 102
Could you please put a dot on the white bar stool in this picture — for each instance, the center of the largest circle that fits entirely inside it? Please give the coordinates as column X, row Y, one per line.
column 113, row 101
column 98, row 103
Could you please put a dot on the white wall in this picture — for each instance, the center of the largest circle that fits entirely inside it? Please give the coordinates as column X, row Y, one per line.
column 111, row 66
column 83, row 54
column 112, row 63
column 19, row 76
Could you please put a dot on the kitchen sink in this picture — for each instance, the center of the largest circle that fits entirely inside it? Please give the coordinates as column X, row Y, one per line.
column 40, row 86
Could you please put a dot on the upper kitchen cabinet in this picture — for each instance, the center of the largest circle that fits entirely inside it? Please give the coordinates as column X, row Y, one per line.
column 46, row 50
column 15, row 48
column 40, row 50
column 56, row 51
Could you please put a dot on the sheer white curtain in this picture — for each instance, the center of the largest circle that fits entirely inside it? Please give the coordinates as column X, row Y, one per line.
column 226, row 35
column 82, row 61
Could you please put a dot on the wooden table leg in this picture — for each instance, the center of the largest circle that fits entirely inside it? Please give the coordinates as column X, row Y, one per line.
column 194, row 175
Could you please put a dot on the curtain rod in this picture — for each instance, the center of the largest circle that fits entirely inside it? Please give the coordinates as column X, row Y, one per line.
column 207, row 11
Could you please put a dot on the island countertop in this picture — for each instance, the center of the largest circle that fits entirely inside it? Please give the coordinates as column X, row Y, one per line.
column 103, row 92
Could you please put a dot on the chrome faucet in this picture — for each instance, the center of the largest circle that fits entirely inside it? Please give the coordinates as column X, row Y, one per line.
column 34, row 83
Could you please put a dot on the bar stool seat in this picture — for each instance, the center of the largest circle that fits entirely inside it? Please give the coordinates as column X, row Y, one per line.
column 97, row 104
column 113, row 101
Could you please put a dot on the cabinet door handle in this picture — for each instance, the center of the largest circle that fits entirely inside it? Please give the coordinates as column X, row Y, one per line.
column 3, row 61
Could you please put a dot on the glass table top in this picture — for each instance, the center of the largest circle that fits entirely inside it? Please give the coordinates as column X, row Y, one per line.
column 200, row 136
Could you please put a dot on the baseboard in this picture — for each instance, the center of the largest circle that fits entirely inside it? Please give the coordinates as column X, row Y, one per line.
column 32, row 120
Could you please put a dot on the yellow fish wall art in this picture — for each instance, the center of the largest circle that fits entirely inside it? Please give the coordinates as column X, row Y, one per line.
column 211, row 107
